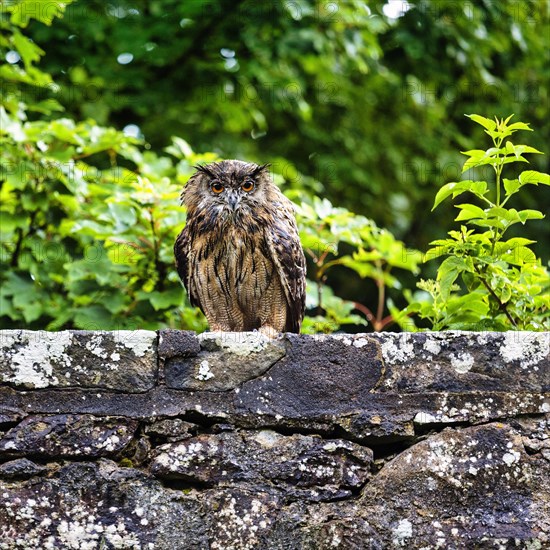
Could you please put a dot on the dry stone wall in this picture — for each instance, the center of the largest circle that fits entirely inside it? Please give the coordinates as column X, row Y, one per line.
column 169, row 440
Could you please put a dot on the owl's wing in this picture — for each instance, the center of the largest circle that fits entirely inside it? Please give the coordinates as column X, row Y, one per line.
column 181, row 253
column 286, row 251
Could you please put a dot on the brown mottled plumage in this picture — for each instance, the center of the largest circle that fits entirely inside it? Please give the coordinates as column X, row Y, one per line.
column 239, row 255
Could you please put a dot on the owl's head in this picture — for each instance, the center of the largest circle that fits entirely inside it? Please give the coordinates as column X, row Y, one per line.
column 228, row 190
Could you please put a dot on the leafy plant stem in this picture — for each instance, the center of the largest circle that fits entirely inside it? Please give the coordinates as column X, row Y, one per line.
column 498, row 172
column 364, row 310
column 323, row 267
column 501, row 305
column 381, row 293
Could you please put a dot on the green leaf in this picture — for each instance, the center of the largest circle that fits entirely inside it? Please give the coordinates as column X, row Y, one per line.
column 64, row 130
column 505, row 293
column 362, row 263
column 123, row 215
column 534, row 177
column 435, row 252
column 478, row 188
column 448, row 272
column 41, row 10
column 516, row 241
column 504, row 214
column 511, row 186
column 520, row 149
column 518, row 255
column 473, row 302
column 470, row 211
column 30, row 306
column 28, row 50
column 519, row 126
column 10, row 221
column 524, row 215
column 474, row 153
column 166, row 299
column 94, row 317
column 485, row 122
column 179, row 148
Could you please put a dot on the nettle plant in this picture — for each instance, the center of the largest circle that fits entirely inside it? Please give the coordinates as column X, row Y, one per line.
column 504, row 285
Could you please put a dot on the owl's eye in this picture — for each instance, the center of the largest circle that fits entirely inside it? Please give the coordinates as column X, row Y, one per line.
column 217, row 187
column 247, row 185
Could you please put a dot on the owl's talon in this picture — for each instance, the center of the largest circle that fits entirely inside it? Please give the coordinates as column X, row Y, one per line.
column 269, row 331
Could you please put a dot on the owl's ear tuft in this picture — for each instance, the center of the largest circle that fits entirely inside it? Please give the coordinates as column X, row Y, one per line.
column 203, row 168
column 260, row 169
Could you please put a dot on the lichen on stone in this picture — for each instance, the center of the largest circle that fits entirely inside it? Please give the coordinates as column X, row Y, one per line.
column 529, row 348
column 31, row 356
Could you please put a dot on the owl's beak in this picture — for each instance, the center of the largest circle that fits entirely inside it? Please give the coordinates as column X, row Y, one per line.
column 233, row 200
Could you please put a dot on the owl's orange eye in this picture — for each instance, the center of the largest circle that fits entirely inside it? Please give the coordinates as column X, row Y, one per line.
column 217, row 187
column 247, row 186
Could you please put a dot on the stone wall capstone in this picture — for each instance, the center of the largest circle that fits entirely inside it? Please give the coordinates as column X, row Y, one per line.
column 168, row 440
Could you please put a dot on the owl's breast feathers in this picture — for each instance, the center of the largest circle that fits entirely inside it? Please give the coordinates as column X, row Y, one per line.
column 243, row 264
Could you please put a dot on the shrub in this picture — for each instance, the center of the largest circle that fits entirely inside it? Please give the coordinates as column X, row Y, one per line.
column 503, row 284
column 89, row 216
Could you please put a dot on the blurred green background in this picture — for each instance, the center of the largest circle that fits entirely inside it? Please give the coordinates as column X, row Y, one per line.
column 358, row 102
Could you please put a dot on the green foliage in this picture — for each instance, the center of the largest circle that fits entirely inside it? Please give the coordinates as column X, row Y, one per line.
column 89, row 214
column 89, row 247
column 373, row 254
column 504, row 285
column 88, row 220
column 368, row 103
column 85, row 241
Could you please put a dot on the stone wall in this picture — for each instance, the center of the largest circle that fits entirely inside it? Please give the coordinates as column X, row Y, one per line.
column 172, row 441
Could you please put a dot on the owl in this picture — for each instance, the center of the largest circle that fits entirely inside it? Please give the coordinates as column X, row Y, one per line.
column 239, row 255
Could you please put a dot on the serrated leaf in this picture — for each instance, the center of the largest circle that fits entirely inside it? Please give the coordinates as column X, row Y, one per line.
column 28, row 50
column 41, row 10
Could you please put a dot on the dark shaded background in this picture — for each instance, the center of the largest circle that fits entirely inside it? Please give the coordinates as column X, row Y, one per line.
column 370, row 105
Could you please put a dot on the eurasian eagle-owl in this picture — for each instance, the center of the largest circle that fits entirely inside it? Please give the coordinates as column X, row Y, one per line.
column 239, row 255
